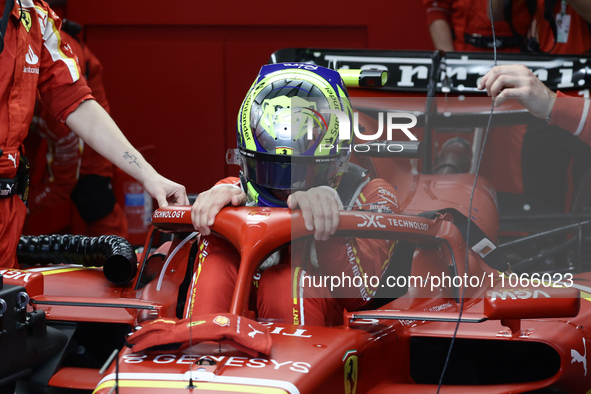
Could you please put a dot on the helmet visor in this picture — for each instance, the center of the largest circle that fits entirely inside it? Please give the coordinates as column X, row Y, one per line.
column 287, row 172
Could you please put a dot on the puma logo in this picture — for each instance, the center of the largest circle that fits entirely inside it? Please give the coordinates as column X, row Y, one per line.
column 7, row 191
column 13, row 158
column 578, row 358
column 254, row 331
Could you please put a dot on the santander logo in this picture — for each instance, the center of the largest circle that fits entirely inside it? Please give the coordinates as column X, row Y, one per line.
column 31, row 58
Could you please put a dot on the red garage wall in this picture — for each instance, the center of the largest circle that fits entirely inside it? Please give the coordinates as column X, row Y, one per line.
column 176, row 72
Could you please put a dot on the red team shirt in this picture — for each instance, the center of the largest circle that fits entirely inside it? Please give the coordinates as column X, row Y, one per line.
column 471, row 17
column 56, row 170
column 34, row 59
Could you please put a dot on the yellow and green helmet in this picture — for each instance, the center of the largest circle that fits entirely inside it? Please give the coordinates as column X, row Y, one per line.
column 286, row 137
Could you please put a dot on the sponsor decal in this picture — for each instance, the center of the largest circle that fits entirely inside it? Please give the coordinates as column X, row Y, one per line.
column 7, row 191
column 484, row 247
column 12, row 158
column 284, row 150
column 221, row 321
column 30, row 70
column 577, row 358
column 521, row 293
column 370, row 221
column 169, row 214
column 305, row 66
column 439, row 307
column 388, row 196
column 234, row 361
column 254, row 332
column 351, row 372
column 408, row 224
column 195, row 323
column 10, row 274
column 26, row 21
column 31, row 58
column 260, row 214
column 298, row 332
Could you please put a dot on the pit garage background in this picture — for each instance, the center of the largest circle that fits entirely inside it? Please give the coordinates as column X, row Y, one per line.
column 175, row 73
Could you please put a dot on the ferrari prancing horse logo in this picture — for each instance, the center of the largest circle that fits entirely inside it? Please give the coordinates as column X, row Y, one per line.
column 26, row 20
column 351, row 375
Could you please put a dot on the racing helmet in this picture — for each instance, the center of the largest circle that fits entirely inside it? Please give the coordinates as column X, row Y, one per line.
column 286, row 138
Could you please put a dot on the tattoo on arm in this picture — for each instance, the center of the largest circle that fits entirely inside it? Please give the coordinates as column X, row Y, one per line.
column 132, row 159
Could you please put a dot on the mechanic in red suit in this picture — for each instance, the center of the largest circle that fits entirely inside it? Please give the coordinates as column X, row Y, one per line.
column 558, row 26
column 279, row 169
column 34, row 59
column 464, row 25
column 551, row 154
column 73, row 169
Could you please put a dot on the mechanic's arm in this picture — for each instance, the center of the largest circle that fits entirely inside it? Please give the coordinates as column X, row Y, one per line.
column 441, row 35
column 438, row 19
column 92, row 123
column 518, row 82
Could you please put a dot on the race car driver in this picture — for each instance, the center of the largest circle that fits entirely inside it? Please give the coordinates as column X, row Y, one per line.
column 72, row 169
column 283, row 167
column 34, row 58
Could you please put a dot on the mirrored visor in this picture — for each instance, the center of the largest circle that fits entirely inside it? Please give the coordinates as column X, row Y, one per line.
column 286, row 172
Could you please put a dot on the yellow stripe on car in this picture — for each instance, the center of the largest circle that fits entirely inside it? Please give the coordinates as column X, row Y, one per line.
column 230, row 388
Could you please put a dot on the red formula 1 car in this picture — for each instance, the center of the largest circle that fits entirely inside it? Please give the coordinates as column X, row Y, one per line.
column 447, row 287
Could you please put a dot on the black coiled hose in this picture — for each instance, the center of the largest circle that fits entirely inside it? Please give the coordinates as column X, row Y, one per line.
column 113, row 253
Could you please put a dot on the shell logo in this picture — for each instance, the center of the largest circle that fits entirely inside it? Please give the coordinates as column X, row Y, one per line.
column 222, row 321
column 259, row 214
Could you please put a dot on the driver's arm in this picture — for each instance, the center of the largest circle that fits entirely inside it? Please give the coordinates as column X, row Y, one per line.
column 209, row 203
column 359, row 257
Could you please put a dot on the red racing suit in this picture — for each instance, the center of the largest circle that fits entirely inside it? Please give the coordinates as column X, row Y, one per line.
column 501, row 163
column 34, row 60
column 67, row 159
column 578, row 40
column 572, row 114
column 471, row 17
column 288, row 292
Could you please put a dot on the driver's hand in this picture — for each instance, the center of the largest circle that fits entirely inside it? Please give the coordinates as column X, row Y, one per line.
column 517, row 81
column 320, row 208
column 208, row 204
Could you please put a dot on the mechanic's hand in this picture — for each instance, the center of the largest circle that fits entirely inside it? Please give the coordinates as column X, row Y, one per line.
column 320, row 208
column 517, row 81
column 208, row 204
column 165, row 191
